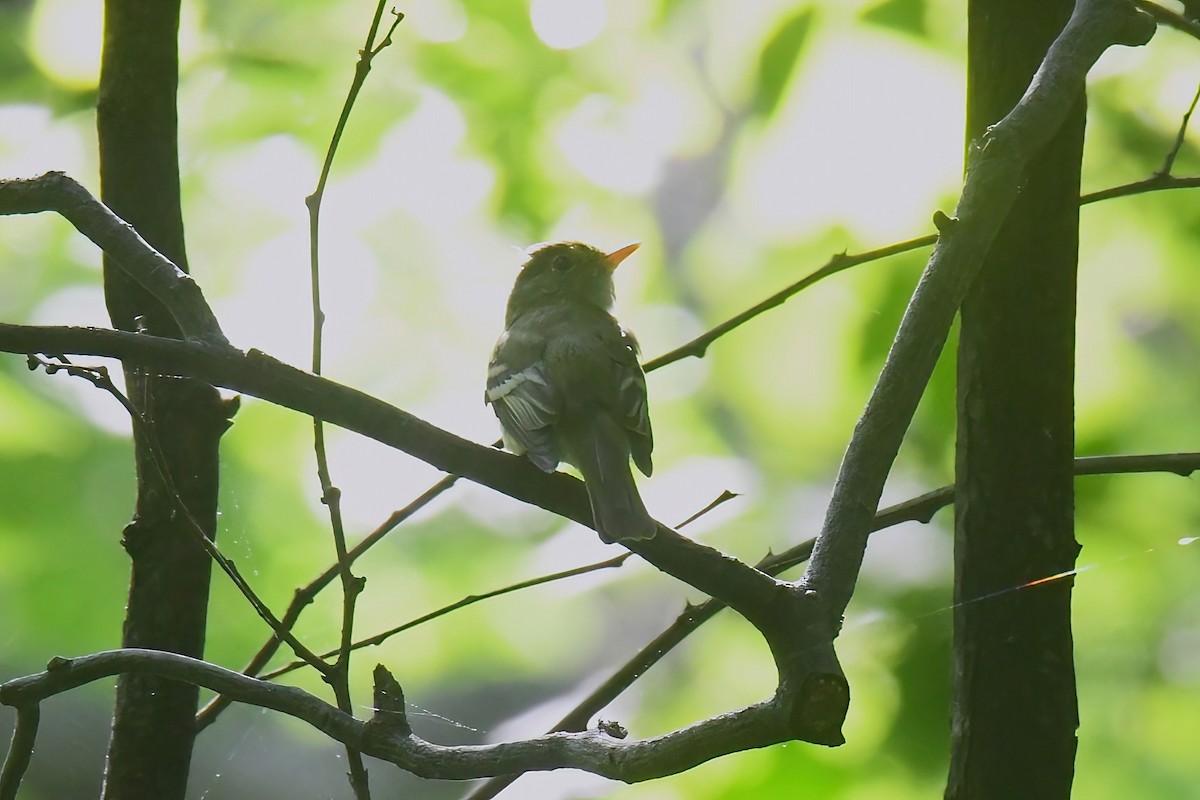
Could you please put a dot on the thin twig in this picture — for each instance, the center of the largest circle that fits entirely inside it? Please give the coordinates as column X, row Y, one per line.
column 331, row 495
column 1155, row 183
column 917, row 509
column 1169, row 18
column 303, row 596
column 699, row 346
column 20, row 750
column 611, row 563
column 383, row 636
column 99, row 377
column 1169, row 162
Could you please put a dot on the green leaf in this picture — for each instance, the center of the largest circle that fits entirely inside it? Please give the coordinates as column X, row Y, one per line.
column 906, row 16
column 778, row 60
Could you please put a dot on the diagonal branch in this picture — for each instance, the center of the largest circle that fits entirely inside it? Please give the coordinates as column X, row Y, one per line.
column 916, row 509
column 842, row 261
column 1165, row 16
column 98, row 377
column 994, row 169
column 839, row 262
column 306, row 594
column 800, row 641
column 1169, row 161
column 170, row 285
column 259, row 375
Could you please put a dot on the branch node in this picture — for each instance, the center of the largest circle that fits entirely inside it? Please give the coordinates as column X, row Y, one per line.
column 230, row 407
column 820, row 709
column 390, row 713
column 1136, row 29
column 945, row 224
column 612, row 728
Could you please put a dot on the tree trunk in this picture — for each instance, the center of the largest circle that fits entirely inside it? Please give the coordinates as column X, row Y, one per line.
column 1014, row 711
column 152, row 733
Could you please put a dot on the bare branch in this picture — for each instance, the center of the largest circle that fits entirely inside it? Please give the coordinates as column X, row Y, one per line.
column 699, row 346
column 331, row 495
column 20, row 750
column 383, row 636
column 1165, row 16
column 995, row 166
column 170, row 285
column 801, row 646
column 303, row 596
column 1169, row 161
column 917, row 509
column 387, row 736
column 99, row 377
column 1154, row 183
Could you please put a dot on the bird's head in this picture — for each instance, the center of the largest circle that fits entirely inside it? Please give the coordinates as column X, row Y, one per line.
column 566, row 272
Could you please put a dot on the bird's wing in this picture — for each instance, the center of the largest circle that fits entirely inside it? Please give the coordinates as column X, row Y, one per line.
column 631, row 399
column 523, row 399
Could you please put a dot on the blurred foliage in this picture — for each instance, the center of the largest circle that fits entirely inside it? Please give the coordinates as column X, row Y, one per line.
column 743, row 143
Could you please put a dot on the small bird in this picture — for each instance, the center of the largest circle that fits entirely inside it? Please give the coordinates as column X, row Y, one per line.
column 566, row 384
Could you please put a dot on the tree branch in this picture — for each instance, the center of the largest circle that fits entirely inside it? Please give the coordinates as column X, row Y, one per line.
column 800, row 643
column 1165, row 16
column 995, row 167
column 699, row 346
column 98, row 377
column 917, row 509
column 20, row 750
column 1154, row 183
column 331, row 495
column 387, row 735
column 153, row 271
column 303, row 596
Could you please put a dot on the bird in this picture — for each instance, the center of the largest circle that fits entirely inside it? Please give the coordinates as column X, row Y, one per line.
column 565, row 382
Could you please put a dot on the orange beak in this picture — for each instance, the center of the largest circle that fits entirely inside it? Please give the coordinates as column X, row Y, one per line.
column 615, row 258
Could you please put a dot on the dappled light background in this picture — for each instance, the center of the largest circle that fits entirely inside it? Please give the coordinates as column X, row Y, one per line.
column 743, row 143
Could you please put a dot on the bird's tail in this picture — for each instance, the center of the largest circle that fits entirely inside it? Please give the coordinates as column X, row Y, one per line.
column 601, row 452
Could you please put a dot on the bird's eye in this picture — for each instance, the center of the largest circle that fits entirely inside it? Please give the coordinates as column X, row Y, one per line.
column 561, row 263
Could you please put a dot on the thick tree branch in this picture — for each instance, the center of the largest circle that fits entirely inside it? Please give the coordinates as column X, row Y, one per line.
column 388, row 737
column 995, row 167
column 257, row 374
column 153, row 271
column 916, row 509
column 1013, row 699
column 800, row 643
